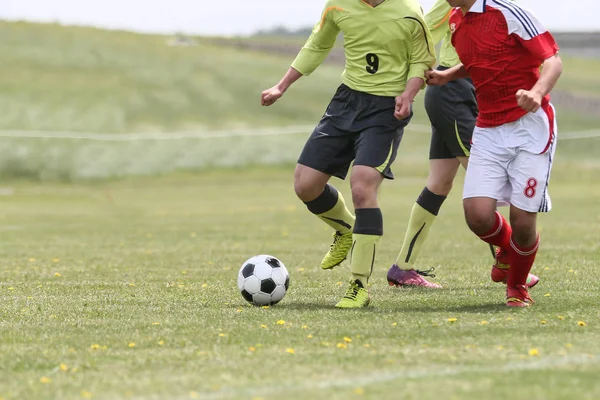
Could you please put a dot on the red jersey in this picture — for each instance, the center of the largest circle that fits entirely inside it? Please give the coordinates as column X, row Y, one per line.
column 502, row 46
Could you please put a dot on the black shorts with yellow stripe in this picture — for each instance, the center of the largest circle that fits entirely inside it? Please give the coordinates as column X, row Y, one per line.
column 357, row 127
column 452, row 110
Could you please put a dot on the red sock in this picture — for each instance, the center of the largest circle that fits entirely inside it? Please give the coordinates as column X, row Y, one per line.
column 521, row 261
column 500, row 234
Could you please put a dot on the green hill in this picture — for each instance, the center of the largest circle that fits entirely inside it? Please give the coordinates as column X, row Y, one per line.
column 54, row 77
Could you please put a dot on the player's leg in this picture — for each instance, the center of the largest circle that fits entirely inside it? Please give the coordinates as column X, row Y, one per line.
column 486, row 182
column 368, row 230
column 422, row 217
column 452, row 110
column 328, row 152
column 376, row 150
column 529, row 175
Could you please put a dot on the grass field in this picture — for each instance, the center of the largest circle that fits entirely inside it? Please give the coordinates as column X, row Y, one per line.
column 126, row 289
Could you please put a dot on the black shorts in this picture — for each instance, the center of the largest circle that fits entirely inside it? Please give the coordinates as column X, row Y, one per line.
column 356, row 126
column 452, row 110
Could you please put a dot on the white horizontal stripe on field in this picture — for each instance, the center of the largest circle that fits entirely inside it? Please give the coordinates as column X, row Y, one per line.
column 222, row 134
column 381, row 377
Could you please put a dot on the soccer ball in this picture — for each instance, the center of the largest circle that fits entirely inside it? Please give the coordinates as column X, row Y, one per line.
column 263, row 280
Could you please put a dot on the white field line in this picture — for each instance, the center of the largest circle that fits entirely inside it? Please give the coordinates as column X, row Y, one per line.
column 223, row 134
column 379, row 377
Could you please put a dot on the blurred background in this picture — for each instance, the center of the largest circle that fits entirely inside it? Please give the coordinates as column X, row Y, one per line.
column 103, row 89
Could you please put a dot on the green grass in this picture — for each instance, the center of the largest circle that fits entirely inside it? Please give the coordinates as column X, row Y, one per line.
column 91, row 269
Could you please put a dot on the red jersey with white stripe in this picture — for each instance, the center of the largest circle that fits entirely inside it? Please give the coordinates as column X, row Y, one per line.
column 502, row 46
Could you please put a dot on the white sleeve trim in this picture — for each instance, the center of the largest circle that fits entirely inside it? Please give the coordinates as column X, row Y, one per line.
column 519, row 20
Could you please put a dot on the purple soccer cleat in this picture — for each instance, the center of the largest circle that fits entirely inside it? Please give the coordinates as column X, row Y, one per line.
column 402, row 278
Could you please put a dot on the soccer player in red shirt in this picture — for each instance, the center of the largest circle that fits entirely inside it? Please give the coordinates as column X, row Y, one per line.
column 501, row 47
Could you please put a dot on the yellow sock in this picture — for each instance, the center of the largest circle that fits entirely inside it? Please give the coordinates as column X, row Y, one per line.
column 339, row 217
column 419, row 224
column 362, row 256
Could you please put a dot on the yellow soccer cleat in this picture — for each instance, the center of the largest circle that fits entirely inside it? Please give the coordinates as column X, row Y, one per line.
column 338, row 250
column 357, row 296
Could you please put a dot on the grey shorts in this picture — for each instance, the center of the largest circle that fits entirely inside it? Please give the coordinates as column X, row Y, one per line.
column 357, row 127
column 452, row 111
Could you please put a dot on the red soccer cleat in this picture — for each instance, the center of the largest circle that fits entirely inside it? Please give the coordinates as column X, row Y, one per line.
column 501, row 267
column 518, row 296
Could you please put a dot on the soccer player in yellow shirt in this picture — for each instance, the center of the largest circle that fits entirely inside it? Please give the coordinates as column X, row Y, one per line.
column 388, row 49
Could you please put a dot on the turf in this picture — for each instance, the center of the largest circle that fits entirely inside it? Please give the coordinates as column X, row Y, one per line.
column 126, row 289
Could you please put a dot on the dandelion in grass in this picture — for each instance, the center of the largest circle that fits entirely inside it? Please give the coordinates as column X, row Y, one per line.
column 560, row 317
column 11, row 288
column 263, row 326
column 309, row 336
column 161, row 342
column 155, row 323
column 63, row 367
column 45, row 379
column 452, row 320
column 131, row 344
column 55, row 260
column 568, row 345
column 204, row 285
column 222, row 334
column 290, row 350
column 86, row 395
column 366, row 345
column 194, row 395
column 534, row 352
column 252, row 349
column 581, row 323
column 32, row 260
column 543, row 322
column 483, row 323
column 347, row 339
column 341, row 346
column 281, row 322
column 547, row 295
column 57, row 274
column 95, row 346
column 359, row 391
column 304, row 326
column 394, row 323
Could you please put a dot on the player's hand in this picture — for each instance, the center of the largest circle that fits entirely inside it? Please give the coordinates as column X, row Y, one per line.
column 433, row 77
column 529, row 101
column 270, row 96
column 402, row 110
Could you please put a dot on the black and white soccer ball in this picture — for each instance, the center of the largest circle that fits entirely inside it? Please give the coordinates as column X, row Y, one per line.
column 263, row 280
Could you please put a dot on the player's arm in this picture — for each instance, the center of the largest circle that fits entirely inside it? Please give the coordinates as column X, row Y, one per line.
column 442, row 77
column 422, row 58
column 532, row 35
column 437, row 20
column 312, row 54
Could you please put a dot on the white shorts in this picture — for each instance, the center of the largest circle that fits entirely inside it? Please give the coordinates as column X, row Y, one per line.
column 512, row 162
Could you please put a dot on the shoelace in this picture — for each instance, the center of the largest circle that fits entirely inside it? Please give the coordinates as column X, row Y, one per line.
column 427, row 273
column 336, row 239
column 352, row 292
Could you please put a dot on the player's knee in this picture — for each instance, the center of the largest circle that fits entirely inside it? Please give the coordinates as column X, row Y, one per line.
column 305, row 189
column 479, row 221
column 363, row 194
column 524, row 229
column 440, row 187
